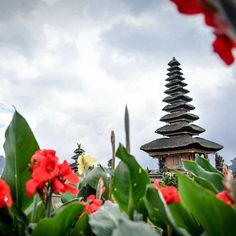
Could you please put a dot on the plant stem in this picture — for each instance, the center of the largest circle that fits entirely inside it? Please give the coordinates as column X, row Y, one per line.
column 49, row 202
column 33, row 216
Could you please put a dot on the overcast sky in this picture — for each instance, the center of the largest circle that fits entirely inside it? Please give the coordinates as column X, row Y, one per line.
column 70, row 67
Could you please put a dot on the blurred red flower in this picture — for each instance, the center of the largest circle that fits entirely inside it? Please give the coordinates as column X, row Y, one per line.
column 5, row 195
column 92, row 204
column 169, row 193
column 46, row 171
column 224, row 197
column 223, row 43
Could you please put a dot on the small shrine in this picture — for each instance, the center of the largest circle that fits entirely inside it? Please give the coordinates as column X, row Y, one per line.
column 78, row 152
column 181, row 137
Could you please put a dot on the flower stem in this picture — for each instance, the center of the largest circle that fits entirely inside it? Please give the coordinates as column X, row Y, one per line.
column 49, row 203
column 33, row 216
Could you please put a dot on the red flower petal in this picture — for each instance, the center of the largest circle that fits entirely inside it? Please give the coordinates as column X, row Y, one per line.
column 170, row 194
column 31, row 186
column 69, row 188
column 5, row 195
column 91, row 198
column 223, row 46
column 189, row 7
column 224, row 197
column 58, row 186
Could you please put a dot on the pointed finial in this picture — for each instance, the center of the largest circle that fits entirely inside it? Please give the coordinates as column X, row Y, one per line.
column 127, row 139
column 173, row 62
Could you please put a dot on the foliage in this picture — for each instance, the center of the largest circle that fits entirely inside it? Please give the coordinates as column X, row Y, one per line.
column 169, row 179
column 132, row 205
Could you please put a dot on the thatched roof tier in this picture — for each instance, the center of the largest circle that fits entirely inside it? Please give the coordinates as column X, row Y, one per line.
column 179, row 116
column 177, row 98
column 175, row 77
column 173, row 62
column 174, row 72
column 180, row 128
column 179, row 106
column 175, row 82
column 174, row 68
column 176, row 90
column 181, row 144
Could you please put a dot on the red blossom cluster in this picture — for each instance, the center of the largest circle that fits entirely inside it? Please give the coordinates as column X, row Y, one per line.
column 224, row 197
column 47, row 172
column 223, row 43
column 169, row 193
column 92, row 204
column 5, row 195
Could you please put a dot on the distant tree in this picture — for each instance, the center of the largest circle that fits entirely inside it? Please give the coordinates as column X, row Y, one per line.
column 219, row 162
column 232, row 167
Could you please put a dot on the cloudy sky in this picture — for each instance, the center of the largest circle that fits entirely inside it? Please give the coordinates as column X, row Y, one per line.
column 71, row 66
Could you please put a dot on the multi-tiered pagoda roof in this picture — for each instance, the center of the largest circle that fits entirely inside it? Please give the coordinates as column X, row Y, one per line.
column 181, row 134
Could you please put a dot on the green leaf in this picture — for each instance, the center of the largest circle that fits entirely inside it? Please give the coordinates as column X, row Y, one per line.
column 19, row 146
column 130, row 228
column 212, row 177
column 61, row 222
column 66, row 197
column 138, row 179
column 205, row 184
column 106, row 219
column 82, row 227
column 120, row 186
column 158, row 210
column 93, row 177
column 216, row 217
column 205, row 164
column 184, row 219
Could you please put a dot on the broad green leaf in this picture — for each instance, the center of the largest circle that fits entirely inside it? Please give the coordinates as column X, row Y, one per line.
column 206, row 165
column 82, row 227
column 215, row 216
column 130, row 228
column 106, row 219
column 120, row 186
column 92, row 179
column 212, row 177
column 184, row 219
column 61, row 222
column 138, row 178
column 66, row 197
column 206, row 184
column 19, row 146
column 159, row 212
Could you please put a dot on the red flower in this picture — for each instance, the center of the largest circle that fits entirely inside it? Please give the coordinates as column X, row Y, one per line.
column 189, row 7
column 224, row 197
column 92, row 204
column 5, row 195
column 223, row 44
column 47, row 172
column 169, row 193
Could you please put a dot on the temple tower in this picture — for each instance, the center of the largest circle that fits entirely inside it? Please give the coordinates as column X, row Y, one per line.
column 181, row 139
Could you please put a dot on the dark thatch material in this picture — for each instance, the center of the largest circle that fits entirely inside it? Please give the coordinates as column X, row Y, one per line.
column 180, row 115
column 183, row 127
column 175, row 82
column 174, row 77
column 176, row 89
column 180, row 106
column 174, row 68
column 173, row 62
column 177, row 72
column 177, row 98
column 182, row 142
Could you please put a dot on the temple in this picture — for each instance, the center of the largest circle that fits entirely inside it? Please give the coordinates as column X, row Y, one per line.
column 181, row 139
